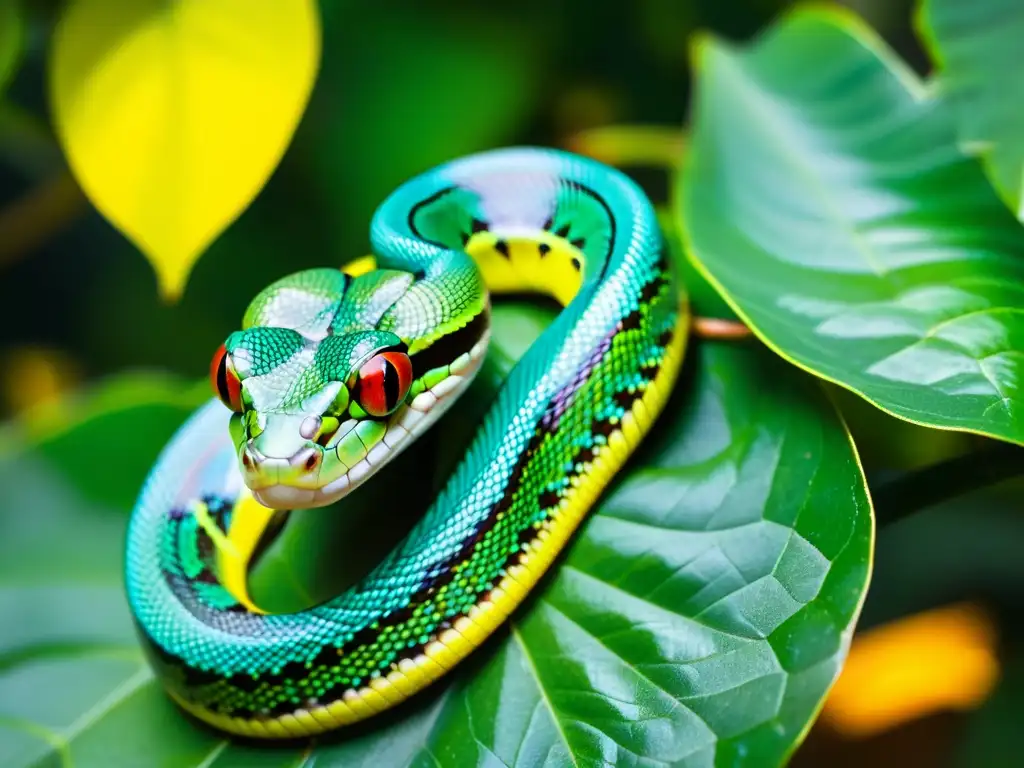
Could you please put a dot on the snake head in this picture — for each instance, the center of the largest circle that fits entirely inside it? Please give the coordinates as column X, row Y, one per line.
column 313, row 418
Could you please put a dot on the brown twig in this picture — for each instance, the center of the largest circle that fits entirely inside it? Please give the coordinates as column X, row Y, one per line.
column 43, row 212
column 720, row 330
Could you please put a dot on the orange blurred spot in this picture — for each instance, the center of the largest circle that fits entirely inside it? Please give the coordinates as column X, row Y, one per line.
column 943, row 659
column 33, row 377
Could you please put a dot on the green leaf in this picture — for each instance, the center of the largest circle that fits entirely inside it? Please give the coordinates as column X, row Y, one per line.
column 74, row 686
column 674, row 567
column 976, row 539
column 700, row 616
column 705, row 301
column 825, row 197
column 67, row 650
column 976, row 48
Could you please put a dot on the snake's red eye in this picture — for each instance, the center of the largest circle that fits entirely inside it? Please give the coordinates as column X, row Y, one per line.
column 225, row 381
column 384, row 381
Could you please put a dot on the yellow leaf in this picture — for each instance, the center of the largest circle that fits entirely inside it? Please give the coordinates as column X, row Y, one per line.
column 174, row 113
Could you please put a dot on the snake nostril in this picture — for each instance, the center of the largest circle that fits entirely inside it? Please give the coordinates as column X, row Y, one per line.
column 251, row 456
column 308, row 458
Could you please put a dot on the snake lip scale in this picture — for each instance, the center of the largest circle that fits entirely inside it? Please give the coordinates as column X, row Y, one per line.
column 335, row 372
column 404, row 426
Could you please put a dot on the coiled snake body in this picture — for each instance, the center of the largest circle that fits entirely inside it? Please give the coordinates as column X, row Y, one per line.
column 336, row 372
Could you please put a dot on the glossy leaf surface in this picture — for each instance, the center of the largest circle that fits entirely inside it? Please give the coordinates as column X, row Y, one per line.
column 976, row 47
column 699, row 617
column 826, row 197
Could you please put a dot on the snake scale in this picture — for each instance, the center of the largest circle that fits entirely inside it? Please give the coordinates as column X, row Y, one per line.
column 334, row 372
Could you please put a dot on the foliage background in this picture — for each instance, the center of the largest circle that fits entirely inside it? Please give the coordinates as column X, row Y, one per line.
column 78, row 304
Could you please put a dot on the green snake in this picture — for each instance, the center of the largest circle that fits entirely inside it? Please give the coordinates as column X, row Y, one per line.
column 334, row 372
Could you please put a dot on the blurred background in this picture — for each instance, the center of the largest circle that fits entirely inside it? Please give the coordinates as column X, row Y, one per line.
column 400, row 89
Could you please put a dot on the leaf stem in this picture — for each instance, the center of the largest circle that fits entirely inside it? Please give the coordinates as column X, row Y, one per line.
column 913, row 491
column 631, row 144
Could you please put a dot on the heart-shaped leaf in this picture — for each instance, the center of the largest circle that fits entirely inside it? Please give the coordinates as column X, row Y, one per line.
column 173, row 113
column 825, row 196
column 700, row 616
column 976, row 47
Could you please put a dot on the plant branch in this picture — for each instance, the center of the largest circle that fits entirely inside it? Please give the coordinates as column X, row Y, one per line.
column 717, row 329
column 618, row 145
column 919, row 489
column 43, row 212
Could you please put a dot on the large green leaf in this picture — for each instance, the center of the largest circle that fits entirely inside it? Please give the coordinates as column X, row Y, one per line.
column 976, row 46
column 701, row 615
column 74, row 687
column 699, row 618
column 825, row 196
column 705, row 301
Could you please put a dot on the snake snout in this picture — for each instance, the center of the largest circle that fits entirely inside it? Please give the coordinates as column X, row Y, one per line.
column 301, row 469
